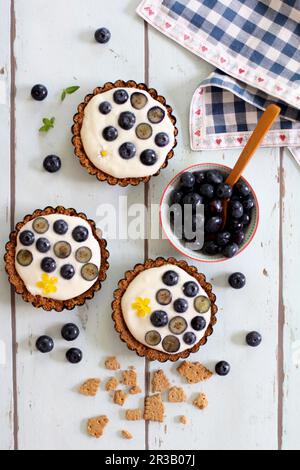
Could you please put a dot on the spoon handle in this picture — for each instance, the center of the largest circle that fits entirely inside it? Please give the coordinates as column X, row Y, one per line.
column 262, row 128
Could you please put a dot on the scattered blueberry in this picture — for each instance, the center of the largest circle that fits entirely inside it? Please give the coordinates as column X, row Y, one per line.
column 181, row 305
column 236, row 210
column 121, row 96
column 127, row 150
column 215, row 207
column 214, row 177
column 237, row 280
column 27, row 238
column 48, row 265
column 162, row 139
column 230, row 250
column 198, row 323
column 189, row 338
column 254, row 339
column 238, row 238
column 213, row 224
column 74, row 356
column 105, row 107
column 52, row 164
column 207, row 190
column 110, row 133
column 60, row 227
column 170, row 278
column 242, row 188
column 39, row 92
column 67, row 271
column 159, row 318
column 148, row 157
column 80, row 234
column 222, row 368
column 127, row 120
column 102, row 35
column 187, row 180
column 190, row 289
column 70, row 332
column 224, row 191
column 43, row 245
column 45, row 344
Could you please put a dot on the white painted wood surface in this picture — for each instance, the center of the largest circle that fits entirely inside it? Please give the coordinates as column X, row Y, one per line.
column 244, row 413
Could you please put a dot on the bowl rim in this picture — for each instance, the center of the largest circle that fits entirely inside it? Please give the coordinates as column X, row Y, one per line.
column 181, row 251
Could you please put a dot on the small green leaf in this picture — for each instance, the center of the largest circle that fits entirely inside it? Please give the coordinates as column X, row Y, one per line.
column 69, row 91
column 48, row 124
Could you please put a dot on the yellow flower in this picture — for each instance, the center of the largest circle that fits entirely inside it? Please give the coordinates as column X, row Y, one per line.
column 47, row 284
column 142, row 307
column 104, row 153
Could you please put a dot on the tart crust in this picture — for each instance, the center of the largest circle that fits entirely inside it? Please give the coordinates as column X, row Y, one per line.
column 78, row 145
column 125, row 334
column 40, row 301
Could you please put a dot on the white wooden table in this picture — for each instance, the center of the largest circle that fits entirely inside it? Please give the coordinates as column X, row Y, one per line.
column 258, row 405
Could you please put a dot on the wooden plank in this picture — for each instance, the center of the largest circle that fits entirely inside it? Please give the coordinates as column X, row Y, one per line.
column 290, row 269
column 58, row 49
column 243, row 407
column 6, row 389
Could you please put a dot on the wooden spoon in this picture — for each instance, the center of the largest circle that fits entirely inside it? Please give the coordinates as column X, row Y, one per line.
column 262, row 128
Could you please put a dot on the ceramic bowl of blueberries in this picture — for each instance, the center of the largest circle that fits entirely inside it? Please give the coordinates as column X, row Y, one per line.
column 204, row 186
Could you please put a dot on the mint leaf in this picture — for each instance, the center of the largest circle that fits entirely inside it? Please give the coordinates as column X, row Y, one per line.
column 47, row 124
column 69, row 91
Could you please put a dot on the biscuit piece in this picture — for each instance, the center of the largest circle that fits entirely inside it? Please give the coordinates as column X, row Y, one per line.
column 154, row 409
column 129, row 378
column 120, row 397
column 183, row 420
column 160, row 382
column 127, row 435
column 90, row 387
column 194, row 372
column 201, row 401
column 133, row 415
column 95, row 426
column 111, row 363
column 176, row 395
column 111, row 384
column 135, row 390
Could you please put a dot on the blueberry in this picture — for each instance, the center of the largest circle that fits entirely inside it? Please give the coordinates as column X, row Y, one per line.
column 200, row 177
column 207, row 190
column 187, row 180
column 246, row 219
column 80, row 234
column 236, row 210
column 156, row 115
column 224, row 191
column 162, row 139
column 215, row 207
column 214, row 177
column 70, row 332
column 211, row 248
column 74, row 356
column 192, row 199
column 223, row 238
column 238, row 238
column 110, row 133
column 190, row 289
column 230, row 250
column 243, row 189
column 189, row 338
column 120, row 96
column 39, row 92
column 43, row 245
column 248, row 203
column 176, row 196
column 102, row 35
column 127, row 150
column 159, row 318
column 222, row 368
column 237, row 280
column 127, row 120
column 45, row 344
column 60, row 227
column 170, row 278
column 27, row 238
column 198, row 323
column 52, row 164
column 67, row 271
column 254, row 339
column 213, row 224
column 148, row 157
column 181, row 305
column 48, row 265
column 105, row 107
column 236, row 226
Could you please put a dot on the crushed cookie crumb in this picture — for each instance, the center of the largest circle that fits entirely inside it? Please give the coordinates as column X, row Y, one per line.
column 126, row 435
column 201, row 401
column 95, row 426
column 154, row 409
column 133, row 415
column 90, row 387
column 183, row 420
column 194, row 372
column 176, row 395
column 160, row 382
column 135, row 390
column 112, row 363
column 111, row 384
column 120, row 397
column 129, row 378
